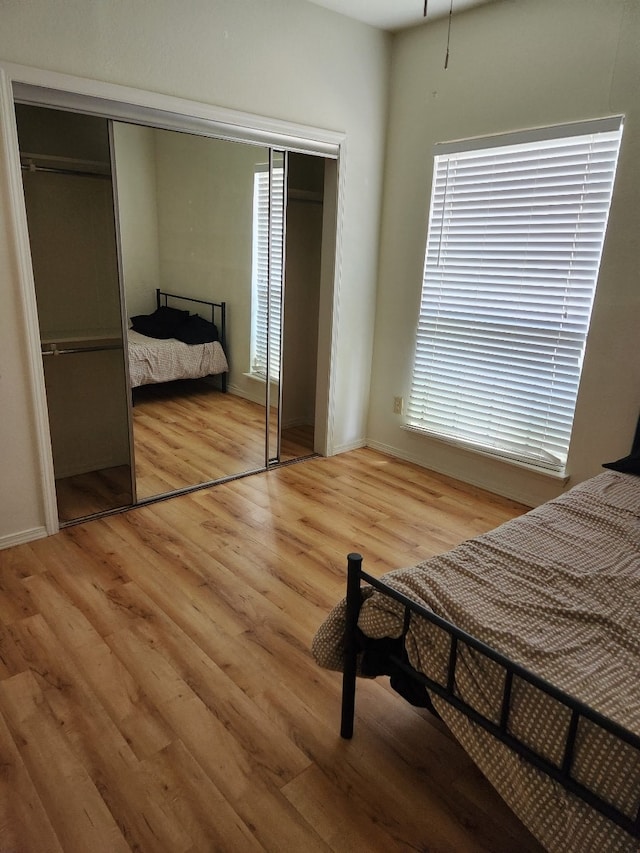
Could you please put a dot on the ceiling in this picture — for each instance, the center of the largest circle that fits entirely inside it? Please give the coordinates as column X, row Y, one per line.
column 395, row 14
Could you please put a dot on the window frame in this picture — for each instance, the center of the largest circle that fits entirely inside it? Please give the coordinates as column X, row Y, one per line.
column 267, row 259
column 416, row 418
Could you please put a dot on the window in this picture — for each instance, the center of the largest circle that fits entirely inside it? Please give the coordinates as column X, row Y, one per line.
column 515, row 237
column 266, row 277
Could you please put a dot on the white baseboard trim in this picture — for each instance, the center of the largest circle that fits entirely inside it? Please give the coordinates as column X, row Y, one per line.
column 510, row 494
column 389, row 450
column 352, row 445
column 23, row 537
column 258, row 397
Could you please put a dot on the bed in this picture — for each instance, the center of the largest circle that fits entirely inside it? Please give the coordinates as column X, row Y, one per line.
column 526, row 642
column 174, row 343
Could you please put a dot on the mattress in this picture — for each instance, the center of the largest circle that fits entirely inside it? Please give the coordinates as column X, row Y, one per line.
column 558, row 591
column 153, row 360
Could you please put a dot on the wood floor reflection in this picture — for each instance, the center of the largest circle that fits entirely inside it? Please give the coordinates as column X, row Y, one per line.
column 96, row 491
column 186, row 433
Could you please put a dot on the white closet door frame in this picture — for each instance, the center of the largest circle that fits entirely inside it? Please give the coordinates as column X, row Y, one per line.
column 47, row 88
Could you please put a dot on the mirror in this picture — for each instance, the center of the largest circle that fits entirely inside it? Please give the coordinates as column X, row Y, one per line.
column 276, row 200
column 206, row 218
column 186, row 209
column 303, row 261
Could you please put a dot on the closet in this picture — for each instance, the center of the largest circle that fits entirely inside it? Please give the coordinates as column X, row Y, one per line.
column 116, row 210
column 66, row 174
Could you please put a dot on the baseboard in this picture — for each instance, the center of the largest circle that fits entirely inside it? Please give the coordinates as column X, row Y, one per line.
column 389, row 450
column 246, row 395
column 22, row 538
column 517, row 495
column 353, row 445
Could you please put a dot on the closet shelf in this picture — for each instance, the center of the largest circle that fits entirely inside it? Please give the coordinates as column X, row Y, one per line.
column 309, row 196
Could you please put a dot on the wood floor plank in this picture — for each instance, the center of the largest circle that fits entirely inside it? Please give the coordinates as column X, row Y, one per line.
column 74, row 805
column 127, row 705
column 121, row 696
column 15, row 600
column 224, row 756
column 272, row 755
column 24, row 823
column 346, row 823
column 197, row 804
column 157, row 687
column 354, row 770
column 185, row 597
column 51, row 599
column 97, row 743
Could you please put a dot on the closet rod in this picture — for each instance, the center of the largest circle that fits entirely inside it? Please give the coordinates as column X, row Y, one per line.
column 58, row 171
column 73, row 350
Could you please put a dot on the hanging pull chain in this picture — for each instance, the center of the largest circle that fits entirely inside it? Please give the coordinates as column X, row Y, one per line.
column 424, row 14
column 446, row 59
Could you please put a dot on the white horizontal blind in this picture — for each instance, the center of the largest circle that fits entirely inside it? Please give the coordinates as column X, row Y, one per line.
column 513, row 251
column 266, row 285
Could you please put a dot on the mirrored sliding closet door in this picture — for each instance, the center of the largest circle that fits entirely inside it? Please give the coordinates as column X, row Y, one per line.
column 177, row 281
column 186, row 213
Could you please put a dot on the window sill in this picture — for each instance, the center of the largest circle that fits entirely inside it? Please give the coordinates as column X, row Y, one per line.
column 559, row 476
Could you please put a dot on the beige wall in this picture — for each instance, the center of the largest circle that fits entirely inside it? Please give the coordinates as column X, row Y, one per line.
column 271, row 59
column 205, row 221
column 134, row 154
column 513, row 65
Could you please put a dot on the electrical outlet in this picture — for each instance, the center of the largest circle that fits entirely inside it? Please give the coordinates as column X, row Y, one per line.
column 397, row 405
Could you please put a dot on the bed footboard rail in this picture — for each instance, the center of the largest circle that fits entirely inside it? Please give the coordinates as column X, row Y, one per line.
column 578, row 710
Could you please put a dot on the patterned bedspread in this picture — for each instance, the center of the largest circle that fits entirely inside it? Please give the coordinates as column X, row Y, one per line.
column 558, row 591
column 154, row 360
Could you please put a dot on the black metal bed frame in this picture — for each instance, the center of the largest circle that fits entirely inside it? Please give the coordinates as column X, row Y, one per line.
column 220, row 321
column 446, row 691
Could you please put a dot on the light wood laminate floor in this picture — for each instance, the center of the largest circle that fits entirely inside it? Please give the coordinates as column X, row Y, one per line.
column 157, row 691
column 184, row 434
